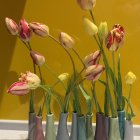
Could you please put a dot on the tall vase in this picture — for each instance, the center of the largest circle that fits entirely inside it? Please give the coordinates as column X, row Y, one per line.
column 100, row 131
column 107, row 126
column 114, row 132
column 31, row 126
column 81, row 128
column 73, row 135
column 128, row 135
column 62, row 133
column 89, row 129
column 50, row 133
column 121, row 117
column 39, row 130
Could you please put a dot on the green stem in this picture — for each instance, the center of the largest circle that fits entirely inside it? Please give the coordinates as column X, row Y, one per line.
column 91, row 13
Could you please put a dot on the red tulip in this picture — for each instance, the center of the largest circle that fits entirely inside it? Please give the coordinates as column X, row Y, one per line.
column 11, row 26
column 94, row 72
column 39, row 29
column 37, row 58
column 24, row 30
column 92, row 59
column 115, row 38
column 19, row 88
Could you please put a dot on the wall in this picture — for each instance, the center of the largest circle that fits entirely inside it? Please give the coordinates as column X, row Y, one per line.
column 63, row 16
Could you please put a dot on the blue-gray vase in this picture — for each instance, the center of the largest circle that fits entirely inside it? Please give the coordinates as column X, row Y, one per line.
column 100, row 131
column 62, row 132
column 107, row 126
column 73, row 135
column 89, row 129
column 121, row 117
column 114, row 132
column 31, row 126
column 81, row 128
column 50, row 133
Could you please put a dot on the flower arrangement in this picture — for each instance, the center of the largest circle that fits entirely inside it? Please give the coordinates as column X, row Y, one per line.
column 110, row 122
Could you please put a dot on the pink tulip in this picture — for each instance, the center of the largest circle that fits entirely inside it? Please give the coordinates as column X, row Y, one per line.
column 94, row 72
column 87, row 4
column 37, row 58
column 31, row 79
column 39, row 29
column 66, row 40
column 19, row 88
column 11, row 26
column 24, row 30
column 115, row 38
column 92, row 59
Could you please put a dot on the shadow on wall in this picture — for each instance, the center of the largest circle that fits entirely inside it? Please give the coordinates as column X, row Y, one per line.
column 12, row 9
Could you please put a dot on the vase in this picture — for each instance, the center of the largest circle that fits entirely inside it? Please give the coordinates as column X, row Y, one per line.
column 128, row 135
column 38, row 129
column 62, row 133
column 81, row 128
column 73, row 135
column 100, row 131
column 121, row 117
column 107, row 126
column 89, row 129
column 114, row 132
column 50, row 133
column 31, row 126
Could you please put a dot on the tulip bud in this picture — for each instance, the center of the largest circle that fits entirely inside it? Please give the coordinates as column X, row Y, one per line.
column 130, row 78
column 92, row 59
column 37, row 58
column 31, row 79
column 115, row 38
column 94, row 72
column 11, row 26
column 19, row 88
column 90, row 27
column 86, row 4
column 103, row 30
column 64, row 76
column 66, row 40
column 39, row 29
column 24, row 30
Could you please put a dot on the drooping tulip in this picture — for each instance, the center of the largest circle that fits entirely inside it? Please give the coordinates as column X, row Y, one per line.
column 62, row 77
column 37, row 58
column 24, row 30
column 31, row 79
column 87, row 4
column 19, row 88
column 11, row 26
column 90, row 27
column 66, row 40
column 93, row 72
column 130, row 78
column 92, row 59
column 115, row 38
column 39, row 29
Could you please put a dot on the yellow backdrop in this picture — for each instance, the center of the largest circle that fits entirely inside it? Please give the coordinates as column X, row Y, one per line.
column 63, row 15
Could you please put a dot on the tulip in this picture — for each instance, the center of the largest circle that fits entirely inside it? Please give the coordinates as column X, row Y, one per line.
column 93, row 72
column 115, row 38
column 64, row 76
column 19, row 88
column 39, row 29
column 37, row 58
column 130, row 78
column 92, row 59
column 24, row 30
column 66, row 40
column 11, row 26
column 31, row 79
column 90, row 27
column 103, row 30
column 86, row 4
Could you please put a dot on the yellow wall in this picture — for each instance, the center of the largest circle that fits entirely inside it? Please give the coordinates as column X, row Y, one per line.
column 62, row 15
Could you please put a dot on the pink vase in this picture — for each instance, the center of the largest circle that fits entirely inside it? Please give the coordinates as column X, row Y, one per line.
column 39, row 130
